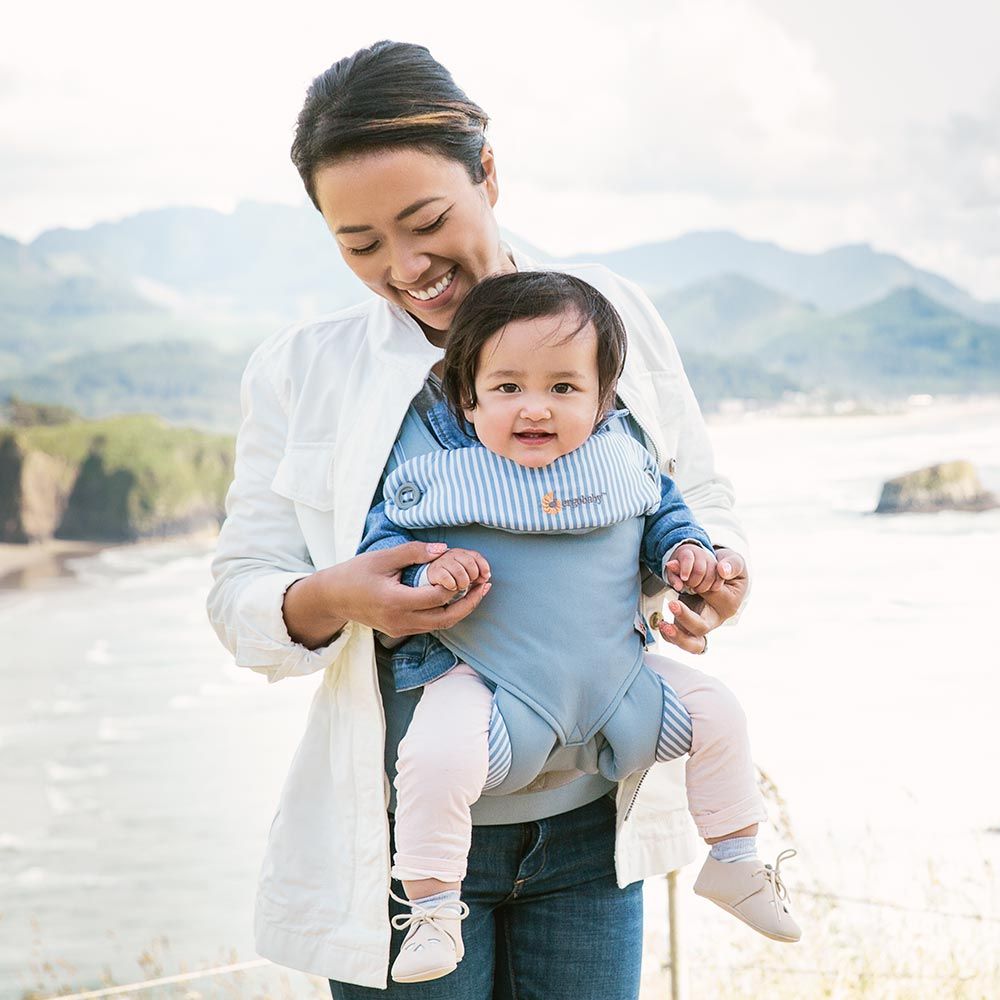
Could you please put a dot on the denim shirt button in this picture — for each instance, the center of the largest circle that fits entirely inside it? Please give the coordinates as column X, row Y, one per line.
column 407, row 494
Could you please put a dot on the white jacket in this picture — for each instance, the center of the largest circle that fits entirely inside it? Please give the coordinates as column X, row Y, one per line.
column 322, row 404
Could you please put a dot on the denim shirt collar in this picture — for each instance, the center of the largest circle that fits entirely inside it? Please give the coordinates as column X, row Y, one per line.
column 449, row 432
column 452, row 433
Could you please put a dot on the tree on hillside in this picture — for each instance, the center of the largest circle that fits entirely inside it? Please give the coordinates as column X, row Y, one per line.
column 23, row 413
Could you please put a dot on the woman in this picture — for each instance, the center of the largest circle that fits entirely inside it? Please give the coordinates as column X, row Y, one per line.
column 394, row 156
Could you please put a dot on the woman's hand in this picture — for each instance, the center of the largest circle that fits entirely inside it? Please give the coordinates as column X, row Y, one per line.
column 367, row 589
column 695, row 615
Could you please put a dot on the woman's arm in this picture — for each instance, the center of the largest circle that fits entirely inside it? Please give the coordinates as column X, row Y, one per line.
column 261, row 553
column 269, row 605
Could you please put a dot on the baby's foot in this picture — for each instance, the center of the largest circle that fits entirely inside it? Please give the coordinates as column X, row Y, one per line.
column 752, row 892
column 433, row 944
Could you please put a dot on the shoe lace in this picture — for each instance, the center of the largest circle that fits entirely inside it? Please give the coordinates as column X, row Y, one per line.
column 428, row 914
column 779, row 892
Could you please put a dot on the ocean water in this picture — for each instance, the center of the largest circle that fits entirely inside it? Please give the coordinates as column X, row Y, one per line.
column 139, row 769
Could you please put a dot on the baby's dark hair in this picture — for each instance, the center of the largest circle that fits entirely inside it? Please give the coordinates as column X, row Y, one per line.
column 507, row 298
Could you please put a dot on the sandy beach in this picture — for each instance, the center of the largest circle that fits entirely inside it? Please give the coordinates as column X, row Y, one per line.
column 25, row 565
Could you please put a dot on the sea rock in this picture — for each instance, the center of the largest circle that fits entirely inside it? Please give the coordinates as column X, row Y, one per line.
column 948, row 486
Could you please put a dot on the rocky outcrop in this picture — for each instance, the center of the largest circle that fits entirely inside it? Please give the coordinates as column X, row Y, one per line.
column 115, row 480
column 34, row 489
column 948, row 486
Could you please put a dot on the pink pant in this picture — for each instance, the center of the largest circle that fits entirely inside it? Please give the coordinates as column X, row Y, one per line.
column 443, row 761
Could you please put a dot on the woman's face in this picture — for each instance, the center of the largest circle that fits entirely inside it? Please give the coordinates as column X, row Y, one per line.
column 414, row 228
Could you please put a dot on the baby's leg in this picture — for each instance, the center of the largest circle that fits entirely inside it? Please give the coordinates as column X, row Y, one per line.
column 727, row 805
column 721, row 780
column 441, row 770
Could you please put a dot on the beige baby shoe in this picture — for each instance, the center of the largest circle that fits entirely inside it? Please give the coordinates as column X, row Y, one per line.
column 753, row 892
column 433, row 944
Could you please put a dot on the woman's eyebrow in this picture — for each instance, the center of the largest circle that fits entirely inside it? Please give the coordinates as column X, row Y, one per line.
column 416, row 206
column 405, row 214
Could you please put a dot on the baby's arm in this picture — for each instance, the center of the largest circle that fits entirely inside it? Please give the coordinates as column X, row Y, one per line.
column 456, row 570
column 674, row 546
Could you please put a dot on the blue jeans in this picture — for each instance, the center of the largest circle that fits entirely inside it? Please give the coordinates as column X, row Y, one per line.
column 547, row 920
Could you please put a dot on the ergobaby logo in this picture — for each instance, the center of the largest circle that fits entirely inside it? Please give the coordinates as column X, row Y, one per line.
column 551, row 504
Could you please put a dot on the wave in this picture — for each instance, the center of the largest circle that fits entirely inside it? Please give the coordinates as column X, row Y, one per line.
column 37, row 877
column 111, row 730
column 98, row 653
column 63, row 772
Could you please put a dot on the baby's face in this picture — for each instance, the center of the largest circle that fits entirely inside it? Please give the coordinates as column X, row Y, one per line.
column 536, row 398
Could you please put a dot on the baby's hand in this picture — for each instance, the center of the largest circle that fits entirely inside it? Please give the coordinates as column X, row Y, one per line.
column 458, row 569
column 692, row 568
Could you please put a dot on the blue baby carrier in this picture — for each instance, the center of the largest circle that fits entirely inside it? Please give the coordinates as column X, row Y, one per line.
column 557, row 637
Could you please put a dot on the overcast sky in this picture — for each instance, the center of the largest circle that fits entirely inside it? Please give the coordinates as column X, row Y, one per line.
column 806, row 122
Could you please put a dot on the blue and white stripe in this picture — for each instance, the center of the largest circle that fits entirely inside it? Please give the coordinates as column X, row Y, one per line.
column 475, row 486
column 499, row 750
column 675, row 727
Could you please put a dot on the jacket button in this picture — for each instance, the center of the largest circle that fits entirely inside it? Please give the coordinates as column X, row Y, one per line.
column 407, row 494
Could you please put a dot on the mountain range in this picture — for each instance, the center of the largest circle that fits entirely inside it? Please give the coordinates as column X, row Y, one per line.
column 160, row 310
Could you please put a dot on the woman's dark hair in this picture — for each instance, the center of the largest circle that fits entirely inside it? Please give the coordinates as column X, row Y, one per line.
column 389, row 95
column 506, row 298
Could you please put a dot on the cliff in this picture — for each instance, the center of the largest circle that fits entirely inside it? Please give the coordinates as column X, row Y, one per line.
column 948, row 486
column 119, row 479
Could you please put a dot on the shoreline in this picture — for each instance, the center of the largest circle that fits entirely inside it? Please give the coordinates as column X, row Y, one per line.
column 32, row 562
column 26, row 566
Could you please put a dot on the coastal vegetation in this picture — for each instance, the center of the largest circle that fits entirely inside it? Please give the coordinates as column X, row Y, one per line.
column 118, row 479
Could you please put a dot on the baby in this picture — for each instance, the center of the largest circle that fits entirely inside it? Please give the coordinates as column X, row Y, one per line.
column 538, row 485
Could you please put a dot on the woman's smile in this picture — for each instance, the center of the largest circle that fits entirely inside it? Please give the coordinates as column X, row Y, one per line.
column 434, row 295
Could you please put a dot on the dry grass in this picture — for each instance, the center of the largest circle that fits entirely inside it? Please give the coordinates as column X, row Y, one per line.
column 936, row 946
column 849, row 950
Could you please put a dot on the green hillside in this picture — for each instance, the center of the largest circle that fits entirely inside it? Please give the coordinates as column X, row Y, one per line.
column 118, row 479
column 729, row 315
column 185, row 382
column 715, row 379
column 94, row 318
column 906, row 343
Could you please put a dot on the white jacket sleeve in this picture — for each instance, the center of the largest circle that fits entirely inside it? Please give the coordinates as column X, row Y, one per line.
column 261, row 551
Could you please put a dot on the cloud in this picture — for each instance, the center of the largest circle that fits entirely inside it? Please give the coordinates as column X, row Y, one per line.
column 972, row 144
column 611, row 126
column 712, row 96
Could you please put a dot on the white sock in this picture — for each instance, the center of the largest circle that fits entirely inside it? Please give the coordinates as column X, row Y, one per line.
column 429, row 902
column 735, row 849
